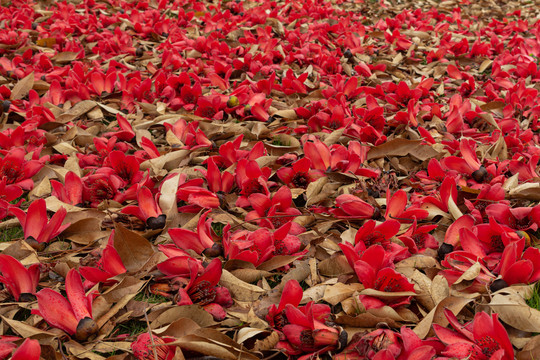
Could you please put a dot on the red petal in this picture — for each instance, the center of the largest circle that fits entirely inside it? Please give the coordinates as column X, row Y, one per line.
column 29, row 350
column 395, row 204
column 36, row 219
column 80, row 304
column 16, row 278
column 56, row 310
column 147, row 203
column 112, row 263
column 292, row 294
column 186, row 239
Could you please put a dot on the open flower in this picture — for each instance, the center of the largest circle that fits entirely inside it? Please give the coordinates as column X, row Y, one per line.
column 148, row 346
column 203, row 290
column 306, row 332
column 71, row 192
column 292, row 294
column 74, row 314
column 20, row 281
column 148, row 209
column 485, row 338
column 108, row 264
column 38, row 229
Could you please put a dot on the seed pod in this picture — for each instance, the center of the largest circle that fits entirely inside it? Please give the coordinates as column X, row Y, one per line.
column 444, row 249
column 155, row 223
column 480, row 175
column 498, row 285
column 86, row 328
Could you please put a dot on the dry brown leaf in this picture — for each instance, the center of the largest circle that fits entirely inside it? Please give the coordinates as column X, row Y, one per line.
column 21, row 88
column 239, row 289
column 133, row 249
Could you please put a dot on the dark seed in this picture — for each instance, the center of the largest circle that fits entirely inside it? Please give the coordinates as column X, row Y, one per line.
column 155, row 223
column 39, row 247
column 348, row 54
column 34, row 26
column 27, row 297
column 86, row 328
column 343, row 339
column 498, row 285
column 444, row 249
column 480, row 174
column 139, row 52
column 6, row 104
column 215, row 251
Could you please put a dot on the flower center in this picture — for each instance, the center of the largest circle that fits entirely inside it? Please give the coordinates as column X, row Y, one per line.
column 101, row 190
column 203, row 293
column 300, row 180
column 488, row 345
column 12, row 172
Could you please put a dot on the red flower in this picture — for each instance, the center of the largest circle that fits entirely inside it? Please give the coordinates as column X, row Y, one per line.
column 395, row 208
column 74, row 314
column 148, row 209
column 418, row 239
column 518, row 267
column 521, row 218
column 196, row 241
column 375, row 271
column 306, row 333
column 203, row 290
column 482, row 339
column 19, row 280
column 36, row 225
column 148, row 346
column 71, row 192
column 299, row 175
column 108, row 265
column 352, row 207
column 292, row 294
column 273, row 212
column 217, row 181
column 17, row 170
column 29, row 350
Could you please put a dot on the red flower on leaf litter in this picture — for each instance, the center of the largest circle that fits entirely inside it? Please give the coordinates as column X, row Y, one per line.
column 292, row 294
column 273, row 212
column 74, row 314
column 374, row 269
column 17, row 170
column 300, row 174
column 108, row 264
column 36, row 225
column 148, row 209
column 307, row 333
column 197, row 241
column 521, row 218
column 203, row 290
column 518, row 267
column 418, row 238
column 71, row 192
column 20, row 281
column 152, row 347
column 483, row 339
column 352, row 207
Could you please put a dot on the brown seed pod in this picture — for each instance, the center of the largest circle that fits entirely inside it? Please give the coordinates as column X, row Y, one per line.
column 86, row 328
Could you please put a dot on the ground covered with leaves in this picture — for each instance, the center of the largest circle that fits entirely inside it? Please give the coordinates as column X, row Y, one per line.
column 275, row 179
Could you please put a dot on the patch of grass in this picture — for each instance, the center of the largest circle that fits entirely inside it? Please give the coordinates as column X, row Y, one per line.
column 150, row 298
column 218, row 227
column 534, row 300
column 274, row 281
column 132, row 327
column 279, row 142
column 11, row 234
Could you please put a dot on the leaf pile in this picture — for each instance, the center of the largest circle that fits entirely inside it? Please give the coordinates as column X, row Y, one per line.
column 242, row 179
